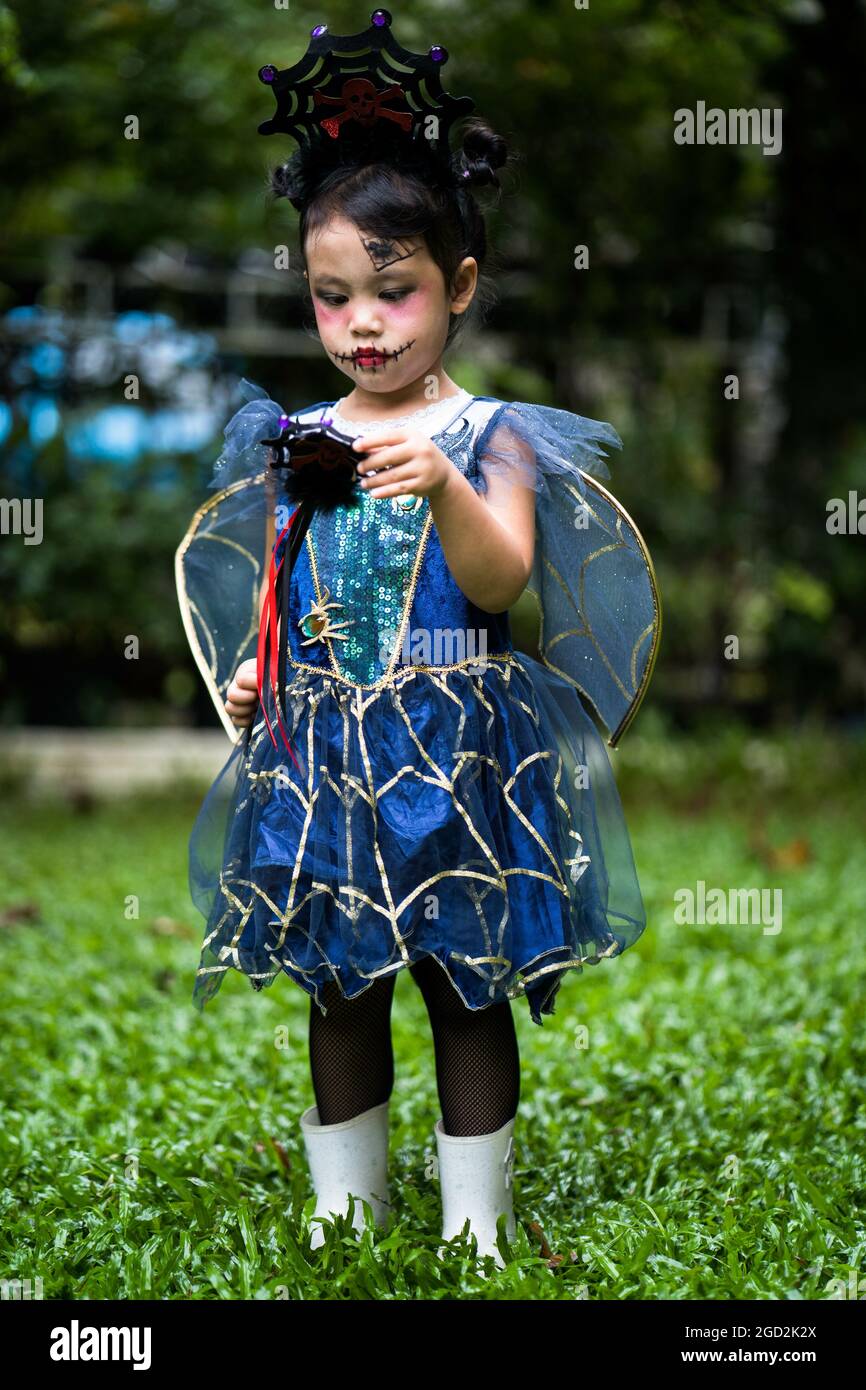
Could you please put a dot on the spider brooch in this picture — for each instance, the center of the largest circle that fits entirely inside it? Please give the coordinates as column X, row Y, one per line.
column 317, row 624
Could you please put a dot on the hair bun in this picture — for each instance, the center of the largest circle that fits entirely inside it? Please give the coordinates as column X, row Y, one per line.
column 483, row 153
column 288, row 181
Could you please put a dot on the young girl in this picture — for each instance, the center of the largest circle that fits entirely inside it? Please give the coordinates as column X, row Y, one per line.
column 437, row 801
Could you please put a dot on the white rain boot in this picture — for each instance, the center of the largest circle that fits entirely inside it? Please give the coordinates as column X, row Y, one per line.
column 351, row 1157
column 476, row 1180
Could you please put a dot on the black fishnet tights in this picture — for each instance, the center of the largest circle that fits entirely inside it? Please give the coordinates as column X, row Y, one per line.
column 477, row 1058
column 351, row 1058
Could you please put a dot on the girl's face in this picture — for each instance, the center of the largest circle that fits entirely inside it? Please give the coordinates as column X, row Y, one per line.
column 381, row 306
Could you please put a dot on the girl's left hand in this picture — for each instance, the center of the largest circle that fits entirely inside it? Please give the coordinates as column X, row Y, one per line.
column 414, row 464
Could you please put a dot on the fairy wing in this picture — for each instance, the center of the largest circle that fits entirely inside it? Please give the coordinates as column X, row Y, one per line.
column 592, row 573
column 219, row 564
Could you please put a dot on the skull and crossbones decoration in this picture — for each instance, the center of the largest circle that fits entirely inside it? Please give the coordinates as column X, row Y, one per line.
column 318, row 452
column 362, row 103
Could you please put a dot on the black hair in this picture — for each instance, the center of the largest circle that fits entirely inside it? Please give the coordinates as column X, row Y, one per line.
column 405, row 197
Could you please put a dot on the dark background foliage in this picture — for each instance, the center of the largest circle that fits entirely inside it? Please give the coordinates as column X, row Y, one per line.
column 705, row 261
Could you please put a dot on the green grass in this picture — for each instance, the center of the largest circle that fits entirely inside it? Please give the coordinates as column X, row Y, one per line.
column 707, row 1143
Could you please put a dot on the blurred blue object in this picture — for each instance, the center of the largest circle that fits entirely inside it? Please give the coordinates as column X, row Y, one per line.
column 116, row 432
column 53, row 352
column 44, row 420
column 126, row 432
column 48, row 361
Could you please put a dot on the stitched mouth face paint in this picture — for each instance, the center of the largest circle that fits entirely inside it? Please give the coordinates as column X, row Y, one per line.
column 371, row 358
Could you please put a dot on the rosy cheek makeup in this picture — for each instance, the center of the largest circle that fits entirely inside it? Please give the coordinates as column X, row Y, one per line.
column 330, row 315
column 413, row 307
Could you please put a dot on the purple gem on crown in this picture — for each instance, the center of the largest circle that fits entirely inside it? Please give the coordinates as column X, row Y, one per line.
column 438, row 53
column 319, row 29
column 380, row 17
column 268, row 73
column 284, row 420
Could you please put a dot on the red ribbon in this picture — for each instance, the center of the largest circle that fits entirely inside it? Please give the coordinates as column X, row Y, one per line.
column 268, row 625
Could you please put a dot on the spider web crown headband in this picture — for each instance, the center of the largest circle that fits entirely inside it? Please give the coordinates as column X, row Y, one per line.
column 355, row 98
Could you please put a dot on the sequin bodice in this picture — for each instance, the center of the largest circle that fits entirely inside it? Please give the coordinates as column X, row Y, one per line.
column 371, row 589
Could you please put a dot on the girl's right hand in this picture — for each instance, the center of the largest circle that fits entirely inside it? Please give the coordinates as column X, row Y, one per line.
column 243, row 693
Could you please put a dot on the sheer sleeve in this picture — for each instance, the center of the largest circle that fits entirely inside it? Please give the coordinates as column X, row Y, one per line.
column 242, row 454
column 537, row 446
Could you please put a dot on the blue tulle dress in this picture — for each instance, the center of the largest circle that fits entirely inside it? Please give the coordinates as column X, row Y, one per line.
column 453, row 797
